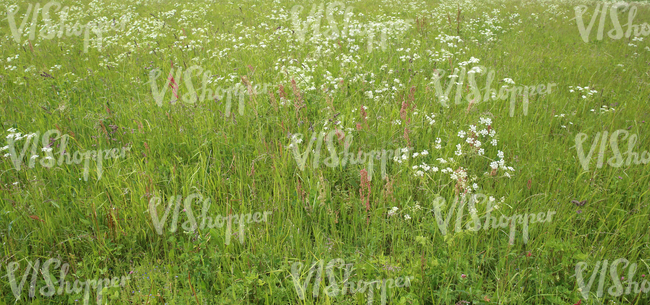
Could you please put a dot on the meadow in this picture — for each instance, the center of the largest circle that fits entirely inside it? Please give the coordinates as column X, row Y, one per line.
column 324, row 152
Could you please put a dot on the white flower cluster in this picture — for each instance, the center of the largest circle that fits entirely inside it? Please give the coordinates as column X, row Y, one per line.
column 431, row 118
column 563, row 115
column 17, row 136
column 405, row 156
column 472, row 60
column 471, row 144
column 586, row 92
column 604, row 109
column 295, row 138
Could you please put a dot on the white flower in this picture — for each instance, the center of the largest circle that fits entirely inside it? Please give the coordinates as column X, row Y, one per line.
column 415, row 154
column 424, row 152
column 461, row 134
column 486, row 121
column 4, row 148
column 481, row 152
column 477, row 143
column 506, row 174
column 296, row 139
column 407, row 217
column 33, row 157
column 494, row 142
column 12, row 130
column 434, row 169
column 509, row 81
column 494, row 165
column 419, row 173
column 7, row 155
column 46, row 149
column 415, row 167
column 438, row 146
column 458, row 151
column 500, row 154
column 472, row 128
column 475, row 186
column 15, row 183
column 405, row 150
column 441, row 160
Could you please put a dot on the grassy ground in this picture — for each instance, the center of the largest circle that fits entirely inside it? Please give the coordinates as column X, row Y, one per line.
column 245, row 163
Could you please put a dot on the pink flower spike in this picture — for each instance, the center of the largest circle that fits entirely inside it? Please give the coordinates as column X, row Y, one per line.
column 463, row 275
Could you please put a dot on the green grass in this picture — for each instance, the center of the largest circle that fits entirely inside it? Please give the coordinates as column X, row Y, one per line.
column 102, row 227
